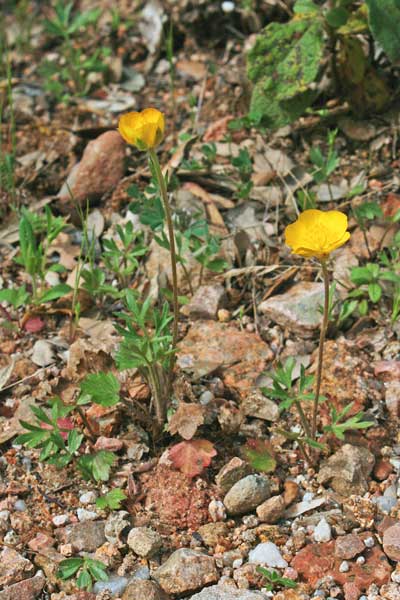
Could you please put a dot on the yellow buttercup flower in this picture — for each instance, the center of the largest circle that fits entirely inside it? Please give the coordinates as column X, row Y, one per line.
column 145, row 129
column 317, row 233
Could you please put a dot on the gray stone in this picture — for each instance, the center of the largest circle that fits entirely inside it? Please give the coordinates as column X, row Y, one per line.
column 347, row 470
column 87, row 536
column 86, row 515
column 212, row 533
column 388, row 501
column 322, row 532
column 206, row 302
column 144, row 541
column 42, row 353
column 247, row 494
column 116, row 525
column 144, row 590
column 271, row 510
column 115, row 585
column 230, row 473
column 186, row 571
column 267, row 554
column 259, row 406
column 13, row 567
column 227, row 592
column 298, row 309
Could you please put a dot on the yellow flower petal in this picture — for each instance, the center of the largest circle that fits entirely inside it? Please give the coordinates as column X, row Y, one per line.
column 144, row 129
column 317, row 233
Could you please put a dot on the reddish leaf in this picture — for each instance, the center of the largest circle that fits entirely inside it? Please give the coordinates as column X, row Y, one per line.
column 34, row 324
column 65, row 424
column 192, row 457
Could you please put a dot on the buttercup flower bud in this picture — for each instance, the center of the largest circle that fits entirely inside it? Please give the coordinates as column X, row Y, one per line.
column 145, row 129
column 317, row 233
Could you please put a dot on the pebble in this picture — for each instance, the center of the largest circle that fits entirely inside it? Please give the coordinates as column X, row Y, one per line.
column 142, row 573
column 322, row 532
column 20, row 505
column 144, row 590
column 369, row 542
column 344, row 566
column 271, row 510
column 268, row 554
column 116, row 585
column 86, row 515
column 228, row 592
column 360, row 560
column 144, row 541
column 60, row 520
column 186, row 570
column 388, row 501
column 247, row 494
column 88, row 498
column 348, row 546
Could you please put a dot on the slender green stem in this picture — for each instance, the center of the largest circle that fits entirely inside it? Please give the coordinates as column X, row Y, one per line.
column 167, row 208
column 324, row 326
column 303, row 418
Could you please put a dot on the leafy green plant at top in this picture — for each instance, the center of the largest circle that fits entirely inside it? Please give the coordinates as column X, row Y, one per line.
column 274, row 579
column 384, row 19
column 69, row 75
column 147, row 346
column 283, row 64
column 87, row 569
column 289, row 59
column 111, row 500
column 8, row 144
column 260, row 455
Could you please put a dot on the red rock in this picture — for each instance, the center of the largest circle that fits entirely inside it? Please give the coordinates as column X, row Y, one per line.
column 290, row 491
column 388, row 370
column 13, row 567
column 41, row 541
column 382, row 469
column 348, row 546
column 177, row 500
column 240, row 355
column 318, row 560
column 99, row 171
column 351, row 591
column 28, row 589
column 391, row 542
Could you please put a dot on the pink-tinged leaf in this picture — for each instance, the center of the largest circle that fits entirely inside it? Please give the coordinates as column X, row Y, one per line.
column 192, row 457
column 65, row 424
column 34, row 324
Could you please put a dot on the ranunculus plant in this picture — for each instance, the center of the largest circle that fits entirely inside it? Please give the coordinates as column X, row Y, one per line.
column 316, row 234
column 145, row 130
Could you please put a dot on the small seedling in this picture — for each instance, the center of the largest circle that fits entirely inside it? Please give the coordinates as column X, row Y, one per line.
column 111, row 500
column 89, row 570
column 276, row 580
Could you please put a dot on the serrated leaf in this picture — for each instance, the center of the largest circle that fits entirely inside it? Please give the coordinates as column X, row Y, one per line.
column 102, row 387
column 192, row 457
column 112, row 499
column 284, row 62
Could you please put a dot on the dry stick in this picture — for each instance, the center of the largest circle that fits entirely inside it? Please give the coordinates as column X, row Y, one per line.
column 321, row 345
column 167, row 208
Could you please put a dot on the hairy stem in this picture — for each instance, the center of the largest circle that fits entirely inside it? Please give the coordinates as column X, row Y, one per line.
column 167, row 208
column 324, row 326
